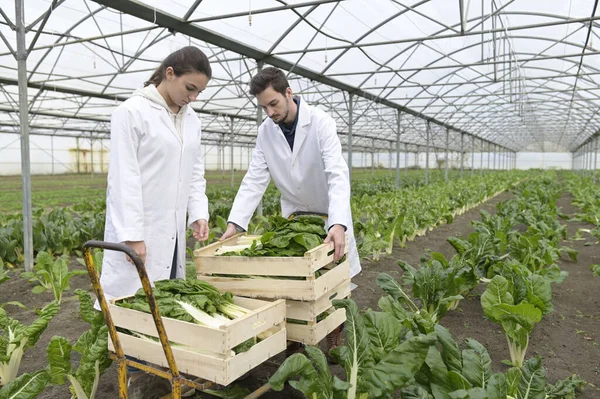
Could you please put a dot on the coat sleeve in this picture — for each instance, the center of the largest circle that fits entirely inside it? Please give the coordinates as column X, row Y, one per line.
column 252, row 189
column 336, row 173
column 124, row 198
column 198, row 202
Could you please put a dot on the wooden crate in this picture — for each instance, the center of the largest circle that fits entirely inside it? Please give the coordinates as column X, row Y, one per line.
column 315, row 331
column 219, row 366
column 309, row 310
column 306, row 288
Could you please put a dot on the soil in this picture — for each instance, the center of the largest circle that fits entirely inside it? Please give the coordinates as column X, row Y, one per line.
column 568, row 340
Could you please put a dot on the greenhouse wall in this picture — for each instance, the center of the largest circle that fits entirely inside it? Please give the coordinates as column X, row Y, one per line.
column 64, row 152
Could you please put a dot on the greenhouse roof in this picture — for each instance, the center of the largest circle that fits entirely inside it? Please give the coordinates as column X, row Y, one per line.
column 517, row 73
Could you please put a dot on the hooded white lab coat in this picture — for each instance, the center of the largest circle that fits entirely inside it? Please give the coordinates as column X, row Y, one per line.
column 156, row 175
column 312, row 178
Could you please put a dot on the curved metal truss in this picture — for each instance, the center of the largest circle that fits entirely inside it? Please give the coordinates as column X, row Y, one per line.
column 515, row 74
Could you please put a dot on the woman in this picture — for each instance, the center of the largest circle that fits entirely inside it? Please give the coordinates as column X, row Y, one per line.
column 156, row 175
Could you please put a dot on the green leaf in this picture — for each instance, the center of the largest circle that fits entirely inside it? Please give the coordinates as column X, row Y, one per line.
column 458, row 381
column 523, row 314
column 35, row 329
column 415, row 392
column 59, row 359
column 539, row 293
column 383, row 330
column 495, row 294
column 449, row 349
column 86, row 308
column 26, row 386
column 397, row 368
column 566, row 388
column 477, row 364
column 38, row 289
column 356, row 353
column 473, row 393
column 297, row 365
column 532, row 384
column 497, row 387
column 96, row 352
column 394, row 289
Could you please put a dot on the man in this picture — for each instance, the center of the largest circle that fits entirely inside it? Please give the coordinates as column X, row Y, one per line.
column 297, row 147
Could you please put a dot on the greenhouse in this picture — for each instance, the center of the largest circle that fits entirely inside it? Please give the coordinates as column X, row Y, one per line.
column 432, row 225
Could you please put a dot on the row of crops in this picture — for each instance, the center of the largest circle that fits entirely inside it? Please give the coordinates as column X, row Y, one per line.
column 376, row 203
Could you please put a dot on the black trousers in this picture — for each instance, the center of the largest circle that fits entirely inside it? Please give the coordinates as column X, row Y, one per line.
column 174, row 263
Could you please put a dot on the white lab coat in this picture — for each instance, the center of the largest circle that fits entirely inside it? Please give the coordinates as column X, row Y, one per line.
column 155, row 176
column 312, row 178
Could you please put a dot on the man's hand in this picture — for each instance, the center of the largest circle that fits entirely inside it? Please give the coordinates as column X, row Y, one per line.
column 139, row 247
column 230, row 232
column 201, row 229
column 337, row 236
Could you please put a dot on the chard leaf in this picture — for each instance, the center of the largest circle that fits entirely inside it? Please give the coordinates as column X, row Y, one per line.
column 59, row 359
column 477, row 364
column 532, row 384
column 26, row 386
column 449, row 349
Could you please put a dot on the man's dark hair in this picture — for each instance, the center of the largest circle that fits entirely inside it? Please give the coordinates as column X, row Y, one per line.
column 270, row 76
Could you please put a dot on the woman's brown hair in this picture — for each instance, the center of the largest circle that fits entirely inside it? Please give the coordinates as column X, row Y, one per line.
column 188, row 59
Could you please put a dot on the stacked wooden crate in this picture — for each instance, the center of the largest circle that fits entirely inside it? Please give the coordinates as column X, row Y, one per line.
column 308, row 284
column 202, row 351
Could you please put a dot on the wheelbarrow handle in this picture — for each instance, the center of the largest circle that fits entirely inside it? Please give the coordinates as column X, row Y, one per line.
column 146, row 285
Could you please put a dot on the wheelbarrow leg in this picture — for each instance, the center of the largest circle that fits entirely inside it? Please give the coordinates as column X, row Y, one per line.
column 122, row 372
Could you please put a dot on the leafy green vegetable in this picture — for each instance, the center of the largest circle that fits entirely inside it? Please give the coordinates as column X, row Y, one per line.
column 287, row 237
column 17, row 337
column 93, row 347
column 194, row 301
column 26, row 386
column 450, row 373
column 379, row 358
column 51, row 274
column 517, row 319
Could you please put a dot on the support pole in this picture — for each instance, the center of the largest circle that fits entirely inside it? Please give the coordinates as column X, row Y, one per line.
column 472, row 155
column 398, row 132
column 447, row 158
column 427, row 153
column 231, row 155
column 259, row 66
column 489, row 155
column 406, row 159
column 481, row 157
column 595, row 159
column 77, row 152
column 92, row 154
column 350, row 123
column 52, row 152
column 21, row 57
column 373, row 159
column 462, row 154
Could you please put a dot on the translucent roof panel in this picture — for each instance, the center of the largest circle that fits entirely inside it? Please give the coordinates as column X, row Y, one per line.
column 516, row 73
